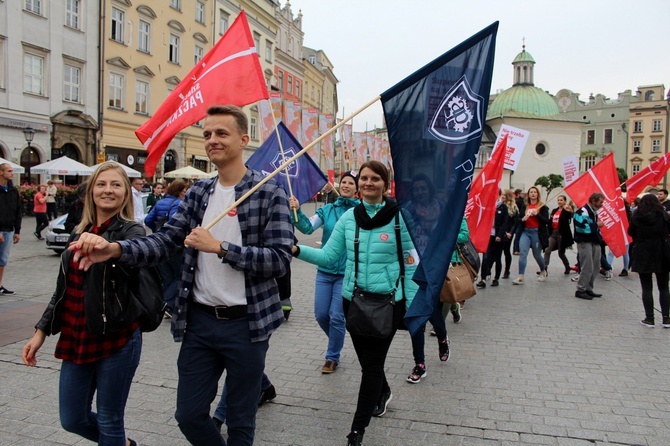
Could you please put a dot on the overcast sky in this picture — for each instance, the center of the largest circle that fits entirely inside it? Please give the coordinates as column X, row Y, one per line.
column 587, row 46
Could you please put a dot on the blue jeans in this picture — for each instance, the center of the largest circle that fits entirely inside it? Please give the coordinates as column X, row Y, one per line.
column 329, row 313
column 419, row 339
column 5, row 247
column 530, row 240
column 211, row 346
column 110, row 380
column 220, row 412
column 626, row 258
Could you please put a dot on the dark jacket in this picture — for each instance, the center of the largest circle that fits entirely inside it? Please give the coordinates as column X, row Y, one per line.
column 564, row 228
column 74, row 215
column 10, row 209
column 651, row 249
column 107, row 302
column 501, row 221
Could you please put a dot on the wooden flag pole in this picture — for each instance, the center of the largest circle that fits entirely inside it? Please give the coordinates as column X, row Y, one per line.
column 288, row 162
column 283, row 157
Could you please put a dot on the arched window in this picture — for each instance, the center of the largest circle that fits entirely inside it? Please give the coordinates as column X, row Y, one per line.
column 649, row 96
column 170, row 162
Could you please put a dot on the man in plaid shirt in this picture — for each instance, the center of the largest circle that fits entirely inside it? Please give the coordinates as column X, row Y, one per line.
column 228, row 304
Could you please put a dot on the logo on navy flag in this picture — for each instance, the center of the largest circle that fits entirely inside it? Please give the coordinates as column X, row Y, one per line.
column 293, row 168
column 458, row 117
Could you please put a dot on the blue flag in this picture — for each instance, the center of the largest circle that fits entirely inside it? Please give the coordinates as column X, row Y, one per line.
column 305, row 176
column 435, row 119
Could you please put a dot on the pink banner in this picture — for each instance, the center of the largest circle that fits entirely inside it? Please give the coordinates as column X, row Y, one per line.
column 325, row 123
column 293, row 117
column 264, row 107
column 361, row 146
column 310, row 131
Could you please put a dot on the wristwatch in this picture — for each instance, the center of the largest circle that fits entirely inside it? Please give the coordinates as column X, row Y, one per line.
column 224, row 250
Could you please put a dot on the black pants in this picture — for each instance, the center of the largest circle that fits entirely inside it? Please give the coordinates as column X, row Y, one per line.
column 507, row 245
column 371, row 353
column 493, row 255
column 51, row 211
column 648, row 293
column 41, row 221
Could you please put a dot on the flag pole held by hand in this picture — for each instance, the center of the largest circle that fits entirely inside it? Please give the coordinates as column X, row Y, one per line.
column 288, row 162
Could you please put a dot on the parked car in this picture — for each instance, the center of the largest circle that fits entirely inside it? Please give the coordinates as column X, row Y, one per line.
column 56, row 236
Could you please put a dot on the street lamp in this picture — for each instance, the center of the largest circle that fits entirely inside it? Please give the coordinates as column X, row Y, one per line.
column 29, row 134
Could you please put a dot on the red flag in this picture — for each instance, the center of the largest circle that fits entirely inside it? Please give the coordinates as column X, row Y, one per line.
column 603, row 178
column 480, row 208
column 230, row 73
column 649, row 176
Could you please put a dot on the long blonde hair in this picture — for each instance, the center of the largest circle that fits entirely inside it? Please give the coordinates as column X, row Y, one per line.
column 89, row 216
column 512, row 208
column 539, row 198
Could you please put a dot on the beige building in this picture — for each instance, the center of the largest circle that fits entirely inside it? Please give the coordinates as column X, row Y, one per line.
column 147, row 49
column 648, row 129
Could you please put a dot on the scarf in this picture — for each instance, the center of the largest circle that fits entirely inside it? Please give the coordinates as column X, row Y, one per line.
column 381, row 218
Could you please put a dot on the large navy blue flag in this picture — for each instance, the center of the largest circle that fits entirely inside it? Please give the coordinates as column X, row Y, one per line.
column 305, row 176
column 435, row 119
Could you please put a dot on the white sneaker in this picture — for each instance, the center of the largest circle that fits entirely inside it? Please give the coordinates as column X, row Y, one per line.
column 608, row 275
column 543, row 276
column 575, row 278
column 518, row 281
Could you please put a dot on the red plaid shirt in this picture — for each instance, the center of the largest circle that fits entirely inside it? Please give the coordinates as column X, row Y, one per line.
column 76, row 344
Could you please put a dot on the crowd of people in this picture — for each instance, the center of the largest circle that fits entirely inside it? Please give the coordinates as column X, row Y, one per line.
column 225, row 282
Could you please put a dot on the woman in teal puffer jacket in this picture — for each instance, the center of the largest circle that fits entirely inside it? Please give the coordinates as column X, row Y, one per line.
column 378, row 272
column 328, row 290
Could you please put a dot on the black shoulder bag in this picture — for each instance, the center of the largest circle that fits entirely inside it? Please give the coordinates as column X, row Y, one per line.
column 372, row 314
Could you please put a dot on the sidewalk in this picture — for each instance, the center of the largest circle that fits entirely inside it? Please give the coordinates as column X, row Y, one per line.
column 530, row 365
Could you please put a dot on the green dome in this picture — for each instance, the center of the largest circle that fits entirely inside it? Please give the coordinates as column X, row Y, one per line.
column 523, row 56
column 525, row 100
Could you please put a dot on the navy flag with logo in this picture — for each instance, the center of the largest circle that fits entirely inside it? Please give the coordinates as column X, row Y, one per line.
column 435, row 119
column 305, row 176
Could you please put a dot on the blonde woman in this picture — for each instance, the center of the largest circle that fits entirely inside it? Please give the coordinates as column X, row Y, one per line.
column 100, row 341
column 513, row 212
column 535, row 236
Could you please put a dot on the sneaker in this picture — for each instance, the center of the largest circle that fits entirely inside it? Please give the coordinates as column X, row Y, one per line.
column 575, row 269
column 647, row 322
column 666, row 322
column 481, row 284
column 4, row 290
column 355, row 438
column 443, row 347
column 267, row 395
column 495, row 282
column 432, row 333
column 329, row 367
column 455, row 313
column 39, row 237
column 543, row 276
column 506, row 275
column 608, row 274
column 575, row 278
column 287, row 311
column 418, row 372
column 567, row 270
column 518, row 281
column 167, row 314
column 384, row 400
column 623, row 273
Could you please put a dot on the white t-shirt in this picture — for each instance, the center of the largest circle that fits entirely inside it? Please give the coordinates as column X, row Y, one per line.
column 138, row 205
column 217, row 283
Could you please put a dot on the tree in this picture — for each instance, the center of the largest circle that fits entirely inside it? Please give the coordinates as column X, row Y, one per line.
column 553, row 181
column 623, row 175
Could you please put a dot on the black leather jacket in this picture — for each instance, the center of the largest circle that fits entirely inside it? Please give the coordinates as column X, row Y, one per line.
column 108, row 306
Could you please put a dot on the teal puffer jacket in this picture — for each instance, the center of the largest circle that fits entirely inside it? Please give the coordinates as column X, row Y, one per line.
column 326, row 217
column 378, row 267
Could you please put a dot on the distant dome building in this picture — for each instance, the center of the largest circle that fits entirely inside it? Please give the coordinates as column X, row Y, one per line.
column 553, row 136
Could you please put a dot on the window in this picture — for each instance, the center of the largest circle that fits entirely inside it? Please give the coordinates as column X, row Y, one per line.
column 541, row 149
column 268, row 51
column 290, row 84
column 312, row 96
column 115, row 91
column 649, row 96
column 117, row 25
column 72, row 13
column 257, row 42
column 590, row 137
column 173, row 50
column 253, row 128
column 141, row 97
column 198, row 54
column 589, row 162
column 200, row 12
column 2, row 63
column 71, row 83
column 175, row 4
column 312, row 60
column 656, row 125
column 33, row 74
column 297, row 89
column 200, row 164
column 655, row 145
column 280, row 80
column 636, row 169
column 607, row 136
column 34, row 6
column 144, row 38
column 637, row 146
column 637, row 126
column 223, row 21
